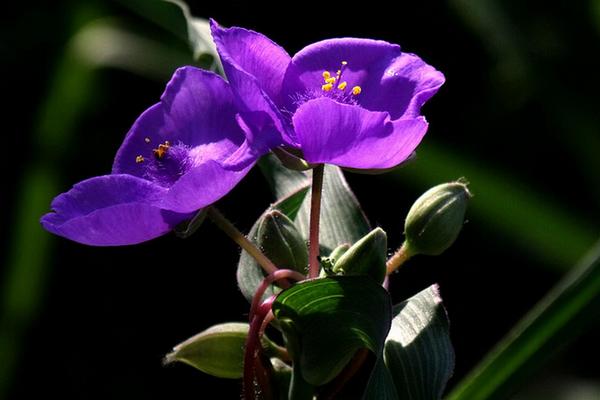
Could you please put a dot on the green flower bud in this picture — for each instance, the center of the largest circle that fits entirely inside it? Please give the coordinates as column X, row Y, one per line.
column 279, row 239
column 327, row 263
column 365, row 257
column 338, row 252
column 218, row 351
column 435, row 219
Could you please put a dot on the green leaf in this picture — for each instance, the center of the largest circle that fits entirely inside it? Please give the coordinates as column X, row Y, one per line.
column 249, row 273
column 342, row 219
column 380, row 385
column 326, row 320
column 418, row 351
column 105, row 43
column 283, row 181
column 199, row 36
column 218, row 351
column 555, row 321
column 175, row 16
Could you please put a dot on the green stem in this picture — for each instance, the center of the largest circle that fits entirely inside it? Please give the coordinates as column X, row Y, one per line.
column 315, row 216
column 398, row 259
column 226, row 226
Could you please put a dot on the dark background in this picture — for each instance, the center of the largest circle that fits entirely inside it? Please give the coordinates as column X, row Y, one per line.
column 518, row 117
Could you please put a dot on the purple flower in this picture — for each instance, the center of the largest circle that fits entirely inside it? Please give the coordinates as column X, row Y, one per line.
column 349, row 102
column 181, row 154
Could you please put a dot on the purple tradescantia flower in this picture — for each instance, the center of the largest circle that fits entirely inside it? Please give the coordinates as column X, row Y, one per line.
column 349, row 102
column 181, row 154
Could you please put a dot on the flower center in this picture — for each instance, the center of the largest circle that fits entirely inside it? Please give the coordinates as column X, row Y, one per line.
column 166, row 163
column 331, row 81
column 333, row 86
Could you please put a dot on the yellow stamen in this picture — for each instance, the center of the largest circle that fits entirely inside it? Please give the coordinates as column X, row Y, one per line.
column 161, row 150
column 330, row 80
column 342, row 85
column 327, row 87
column 356, row 90
column 326, row 75
column 344, row 62
column 139, row 159
column 339, row 72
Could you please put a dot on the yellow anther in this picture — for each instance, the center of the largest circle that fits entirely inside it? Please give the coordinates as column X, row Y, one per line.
column 139, row 159
column 326, row 75
column 327, row 87
column 356, row 90
column 161, row 150
column 342, row 85
column 147, row 139
column 330, row 80
column 339, row 72
column 344, row 62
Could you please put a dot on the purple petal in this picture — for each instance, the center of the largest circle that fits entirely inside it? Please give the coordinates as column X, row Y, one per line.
column 254, row 67
column 406, row 84
column 196, row 109
column 351, row 136
column 202, row 186
column 391, row 81
column 261, row 137
column 253, row 53
column 110, row 210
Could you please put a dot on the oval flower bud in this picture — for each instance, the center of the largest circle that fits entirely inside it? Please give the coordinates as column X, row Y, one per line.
column 365, row 257
column 279, row 239
column 435, row 219
column 218, row 351
column 327, row 263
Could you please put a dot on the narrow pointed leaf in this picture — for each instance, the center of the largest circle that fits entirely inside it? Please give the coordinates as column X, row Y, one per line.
column 328, row 319
column 554, row 322
column 198, row 35
column 418, row 352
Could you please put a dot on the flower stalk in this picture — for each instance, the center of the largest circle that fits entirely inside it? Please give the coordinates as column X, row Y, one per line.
column 273, row 277
column 315, row 216
column 398, row 259
column 252, row 361
column 230, row 230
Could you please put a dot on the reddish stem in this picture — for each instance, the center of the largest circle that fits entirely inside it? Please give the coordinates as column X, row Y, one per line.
column 253, row 348
column 272, row 277
column 260, row 317
column 315, row 216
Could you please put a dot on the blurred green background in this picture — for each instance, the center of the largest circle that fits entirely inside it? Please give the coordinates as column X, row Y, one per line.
column 518, row 117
